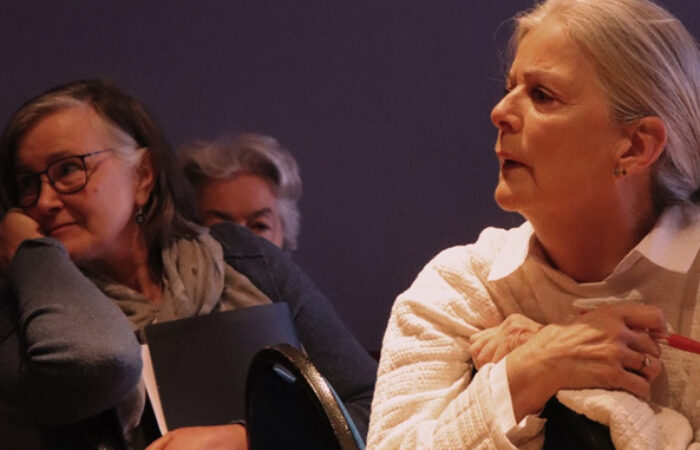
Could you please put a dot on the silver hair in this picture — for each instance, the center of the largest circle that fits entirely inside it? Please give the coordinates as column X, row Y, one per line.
column 252, row 153
column 648, row 65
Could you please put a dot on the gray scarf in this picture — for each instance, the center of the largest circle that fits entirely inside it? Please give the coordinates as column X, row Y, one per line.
column 196, row 281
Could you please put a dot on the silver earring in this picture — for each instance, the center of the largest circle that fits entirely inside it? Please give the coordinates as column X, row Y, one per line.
column 619, row 172
column 140, row 216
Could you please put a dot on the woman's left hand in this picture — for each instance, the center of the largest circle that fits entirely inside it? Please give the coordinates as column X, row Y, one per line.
column 493, row 344
column 230, row 437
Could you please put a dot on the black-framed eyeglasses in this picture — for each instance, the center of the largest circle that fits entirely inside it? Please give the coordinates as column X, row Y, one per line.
column 67, row 175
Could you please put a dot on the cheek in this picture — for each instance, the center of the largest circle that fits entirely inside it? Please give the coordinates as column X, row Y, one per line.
column 106, row 208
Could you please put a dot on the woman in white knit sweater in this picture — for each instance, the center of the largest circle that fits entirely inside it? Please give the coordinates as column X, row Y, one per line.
column 599, row 150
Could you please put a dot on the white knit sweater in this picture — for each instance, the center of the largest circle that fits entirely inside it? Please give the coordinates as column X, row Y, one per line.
column 425, row 397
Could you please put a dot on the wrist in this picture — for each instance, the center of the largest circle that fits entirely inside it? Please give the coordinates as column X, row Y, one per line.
column 531, row 381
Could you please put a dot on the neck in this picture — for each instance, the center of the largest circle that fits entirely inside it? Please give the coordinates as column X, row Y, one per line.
column 131, row 269
column 588, row 244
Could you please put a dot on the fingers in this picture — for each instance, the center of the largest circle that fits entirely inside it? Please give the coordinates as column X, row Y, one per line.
column 643, row 368
column 633, row 383
column 160, row 443
column 646, row 366
column 638, row 316
column 493, row 344
column 640, row 341
column 482, row 346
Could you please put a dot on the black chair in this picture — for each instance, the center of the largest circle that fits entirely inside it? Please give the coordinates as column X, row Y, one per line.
column 289, row 405
column 572, row 431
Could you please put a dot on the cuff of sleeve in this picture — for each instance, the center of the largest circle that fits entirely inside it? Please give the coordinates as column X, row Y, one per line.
column 520, row 432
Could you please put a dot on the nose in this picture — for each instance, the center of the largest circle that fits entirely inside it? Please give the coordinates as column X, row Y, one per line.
column 49, row 199
column 505, row 115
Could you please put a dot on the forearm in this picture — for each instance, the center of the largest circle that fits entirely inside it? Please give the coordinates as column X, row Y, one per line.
column 426, row 396
column 77, row 354
column 434, row 410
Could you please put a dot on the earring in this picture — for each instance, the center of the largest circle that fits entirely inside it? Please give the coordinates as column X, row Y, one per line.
column 140, row 216
column 619, row 172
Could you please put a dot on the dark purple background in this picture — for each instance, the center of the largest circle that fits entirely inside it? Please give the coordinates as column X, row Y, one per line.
column 385, row 104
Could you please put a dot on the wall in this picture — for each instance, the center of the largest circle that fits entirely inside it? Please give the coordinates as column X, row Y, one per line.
column 385, row 105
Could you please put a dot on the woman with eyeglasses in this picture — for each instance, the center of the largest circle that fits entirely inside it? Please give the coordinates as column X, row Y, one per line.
column 97, row 243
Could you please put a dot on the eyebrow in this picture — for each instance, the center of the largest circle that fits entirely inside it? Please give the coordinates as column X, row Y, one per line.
column 19, row 166
column 218, row 214
column 223, row 215
column 260, row 213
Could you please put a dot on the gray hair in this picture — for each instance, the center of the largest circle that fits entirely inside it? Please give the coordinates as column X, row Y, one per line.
column 252, row 153
column 648, row 65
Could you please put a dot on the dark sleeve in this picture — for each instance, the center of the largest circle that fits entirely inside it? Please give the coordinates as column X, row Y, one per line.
column 66, row 351
column 331, row 347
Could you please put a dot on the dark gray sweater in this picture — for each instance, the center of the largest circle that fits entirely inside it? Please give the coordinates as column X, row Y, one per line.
column 68, row 353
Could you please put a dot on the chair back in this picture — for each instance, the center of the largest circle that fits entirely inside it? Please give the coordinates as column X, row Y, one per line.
column 289, row 405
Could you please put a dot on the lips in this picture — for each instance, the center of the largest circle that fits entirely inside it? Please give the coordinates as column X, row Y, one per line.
column 511, row 164
column 59, row 228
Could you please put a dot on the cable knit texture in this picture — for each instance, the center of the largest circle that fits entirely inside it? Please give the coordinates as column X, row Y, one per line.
column 426, row 396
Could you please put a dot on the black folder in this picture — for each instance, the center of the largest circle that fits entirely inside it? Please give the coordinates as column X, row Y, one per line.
column 201, row 363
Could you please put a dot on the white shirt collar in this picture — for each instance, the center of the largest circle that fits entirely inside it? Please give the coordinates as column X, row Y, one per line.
column 513, row 253
column 673, row 244
column 674, row 241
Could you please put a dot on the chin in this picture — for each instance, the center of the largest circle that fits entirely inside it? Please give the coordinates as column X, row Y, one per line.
column 506, row 199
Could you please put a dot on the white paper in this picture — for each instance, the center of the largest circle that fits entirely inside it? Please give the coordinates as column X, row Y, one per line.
column 149, row 380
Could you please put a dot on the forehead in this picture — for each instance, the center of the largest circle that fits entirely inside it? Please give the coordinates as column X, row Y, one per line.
column 244, row 191
column 67, row 131
column 548, row 49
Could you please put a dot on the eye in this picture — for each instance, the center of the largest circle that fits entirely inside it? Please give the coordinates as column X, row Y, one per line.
column 259, row 227
column 66, row 168
column 540, row 95
column 26, row 183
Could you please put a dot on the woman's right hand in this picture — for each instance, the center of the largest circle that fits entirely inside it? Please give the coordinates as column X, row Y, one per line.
column 492, row 344
column 229, row 437
column 606, row 348
column 15, row 228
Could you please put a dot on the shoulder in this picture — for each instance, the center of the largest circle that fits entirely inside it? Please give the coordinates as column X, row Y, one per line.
column 478, row 257
column 454, row 286
column 236, row 240
column 267, row 266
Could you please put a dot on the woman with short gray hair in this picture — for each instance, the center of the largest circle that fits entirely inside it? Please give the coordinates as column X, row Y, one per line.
column 249, row 179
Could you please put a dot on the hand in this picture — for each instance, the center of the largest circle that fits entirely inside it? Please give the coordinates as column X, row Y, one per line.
column 606, row 348
column 492, row 344
column 229, row 437
column 15, row 228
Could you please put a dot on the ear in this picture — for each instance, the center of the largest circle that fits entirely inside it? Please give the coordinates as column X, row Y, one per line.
column 647, row 140
column 145, row 177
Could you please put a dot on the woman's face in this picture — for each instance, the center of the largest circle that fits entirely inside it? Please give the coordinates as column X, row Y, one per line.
column 556, row 141
column 247, row 200
column 96, row 223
